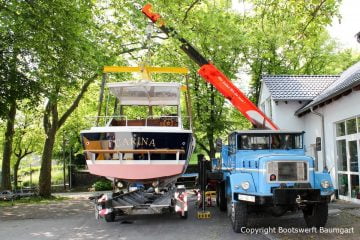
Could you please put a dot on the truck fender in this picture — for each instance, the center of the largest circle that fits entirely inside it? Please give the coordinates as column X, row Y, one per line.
column 235, row 181
column 321, row 176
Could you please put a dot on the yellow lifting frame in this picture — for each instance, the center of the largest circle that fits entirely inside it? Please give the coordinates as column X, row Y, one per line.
column 146, row 71
column 114, row 69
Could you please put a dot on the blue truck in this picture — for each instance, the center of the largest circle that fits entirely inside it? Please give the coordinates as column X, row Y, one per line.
column 267, row 170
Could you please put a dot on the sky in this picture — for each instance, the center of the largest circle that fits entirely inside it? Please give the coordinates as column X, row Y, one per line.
column 349, row 25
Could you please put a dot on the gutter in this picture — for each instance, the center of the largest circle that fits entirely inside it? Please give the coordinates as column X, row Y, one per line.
column 325, row 169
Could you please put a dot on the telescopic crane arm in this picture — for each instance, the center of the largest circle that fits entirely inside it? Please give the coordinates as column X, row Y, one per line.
column 215, row 77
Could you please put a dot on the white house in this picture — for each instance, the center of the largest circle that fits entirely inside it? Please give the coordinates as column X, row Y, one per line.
column 327, row 108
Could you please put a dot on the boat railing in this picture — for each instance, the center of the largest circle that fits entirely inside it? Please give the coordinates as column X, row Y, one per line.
column 120, row 154
column 150, row 121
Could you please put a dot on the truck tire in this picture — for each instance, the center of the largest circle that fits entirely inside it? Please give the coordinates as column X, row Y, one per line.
column 110, row 217
column 221, row 197
column 239, row 216
column 316, row 215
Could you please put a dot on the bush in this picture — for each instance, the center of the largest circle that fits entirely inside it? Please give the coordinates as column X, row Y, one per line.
column 102, row 185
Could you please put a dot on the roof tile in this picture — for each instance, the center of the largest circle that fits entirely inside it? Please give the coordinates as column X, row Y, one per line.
column 300, row 87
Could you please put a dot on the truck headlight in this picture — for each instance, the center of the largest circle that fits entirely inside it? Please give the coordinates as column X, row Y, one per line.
column 245, row 185
column 325, row 184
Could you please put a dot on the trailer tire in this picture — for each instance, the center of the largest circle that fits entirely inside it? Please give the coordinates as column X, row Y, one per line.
column 221, row 197
column 239, row 216
column 110, row 217
column 316, row 215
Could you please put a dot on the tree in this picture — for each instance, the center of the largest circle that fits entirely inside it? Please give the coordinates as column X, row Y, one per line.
column 15, row 85
column 290, row 37
column 27, row 138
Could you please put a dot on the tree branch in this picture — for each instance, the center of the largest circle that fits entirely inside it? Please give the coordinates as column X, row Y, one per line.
column 204, row 148
column 189, row 9
column 314, row 14
column 76, row 101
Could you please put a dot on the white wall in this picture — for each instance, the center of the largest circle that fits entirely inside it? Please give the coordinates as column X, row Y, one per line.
column 264, row 93
column 343, row 108
column 284, row 115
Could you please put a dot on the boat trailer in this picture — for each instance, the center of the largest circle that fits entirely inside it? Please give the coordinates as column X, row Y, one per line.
column 141, row 202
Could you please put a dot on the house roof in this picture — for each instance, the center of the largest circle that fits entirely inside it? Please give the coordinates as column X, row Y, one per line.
column 298, row 88
column 347, row 81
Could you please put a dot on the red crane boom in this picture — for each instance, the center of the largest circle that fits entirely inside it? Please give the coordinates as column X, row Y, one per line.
column 214, row 76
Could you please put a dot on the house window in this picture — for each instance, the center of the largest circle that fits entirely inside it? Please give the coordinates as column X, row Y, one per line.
column 340, row 129
column 341, row 155
column 347, row 158
column 351, row 126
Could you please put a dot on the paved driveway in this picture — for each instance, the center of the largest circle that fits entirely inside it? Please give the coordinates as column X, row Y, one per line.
column 74, row 219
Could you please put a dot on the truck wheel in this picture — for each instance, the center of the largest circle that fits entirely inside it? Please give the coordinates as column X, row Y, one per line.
column 221, row 197
column 217, row 196
column 110, row 217
column 316, row 215
column 239, row 216
column 228, row 206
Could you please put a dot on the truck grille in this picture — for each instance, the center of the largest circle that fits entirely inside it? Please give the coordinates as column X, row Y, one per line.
column 287, row 171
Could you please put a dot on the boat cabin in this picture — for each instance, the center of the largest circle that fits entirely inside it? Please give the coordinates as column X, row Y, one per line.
column 147, row 104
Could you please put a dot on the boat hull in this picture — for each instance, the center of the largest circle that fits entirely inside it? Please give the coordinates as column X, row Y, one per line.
column 136, row 172
column 136, row 156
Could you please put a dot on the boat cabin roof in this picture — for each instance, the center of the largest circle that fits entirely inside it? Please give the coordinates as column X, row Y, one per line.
column 146, row 93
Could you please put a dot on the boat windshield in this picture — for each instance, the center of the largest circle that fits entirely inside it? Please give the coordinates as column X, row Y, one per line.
column 146, row 93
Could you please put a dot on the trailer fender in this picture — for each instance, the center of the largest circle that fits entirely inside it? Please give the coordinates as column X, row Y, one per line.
column 181, row 201
column 238, row 183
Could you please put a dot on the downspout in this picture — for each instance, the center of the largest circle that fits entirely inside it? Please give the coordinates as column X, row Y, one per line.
column 325, row 169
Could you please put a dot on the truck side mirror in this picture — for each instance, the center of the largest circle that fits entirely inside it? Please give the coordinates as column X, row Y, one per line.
column 218, row 144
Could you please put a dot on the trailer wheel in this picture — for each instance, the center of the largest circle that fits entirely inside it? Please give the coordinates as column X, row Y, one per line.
column 110, row 217
column 316, row 215
column 221, row 197
column 239, row 216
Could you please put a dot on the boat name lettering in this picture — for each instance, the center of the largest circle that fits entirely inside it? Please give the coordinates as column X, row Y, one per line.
column 136, row 141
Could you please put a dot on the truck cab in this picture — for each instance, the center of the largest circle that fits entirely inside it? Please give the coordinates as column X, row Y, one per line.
column 267, row 170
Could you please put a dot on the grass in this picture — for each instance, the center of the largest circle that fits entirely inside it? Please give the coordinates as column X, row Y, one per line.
column 57, row 176
column 33, row 200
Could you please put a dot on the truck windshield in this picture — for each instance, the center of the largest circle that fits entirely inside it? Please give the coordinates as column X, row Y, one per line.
column 269, row 141
column 253, row 142
column 286, row 141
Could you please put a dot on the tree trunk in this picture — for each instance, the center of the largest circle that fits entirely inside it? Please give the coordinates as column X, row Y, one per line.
column 45, row 171
column 9, row 134
column 16, row 169
column 51, row 127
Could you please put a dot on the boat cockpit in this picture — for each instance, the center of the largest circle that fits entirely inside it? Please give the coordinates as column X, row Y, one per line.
column 149, row 104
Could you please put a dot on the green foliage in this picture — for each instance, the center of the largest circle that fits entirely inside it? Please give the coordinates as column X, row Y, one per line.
column 102, row 185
